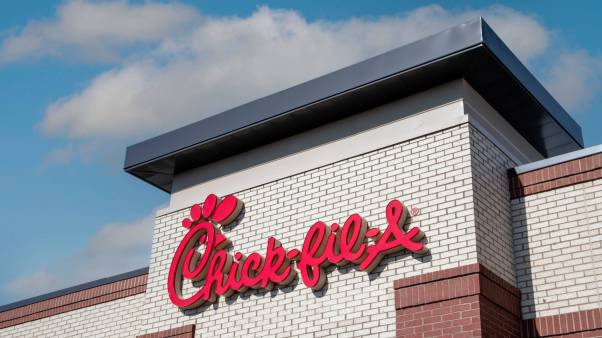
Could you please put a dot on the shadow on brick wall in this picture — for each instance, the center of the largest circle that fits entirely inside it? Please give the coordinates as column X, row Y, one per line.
column 523, row 265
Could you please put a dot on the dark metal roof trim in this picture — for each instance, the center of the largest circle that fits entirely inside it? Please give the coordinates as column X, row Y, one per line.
column 530, row 83
column 77, row 288
column 471, row 51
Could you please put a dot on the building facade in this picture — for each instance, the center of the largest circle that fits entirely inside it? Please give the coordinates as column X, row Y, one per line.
column 436, row 190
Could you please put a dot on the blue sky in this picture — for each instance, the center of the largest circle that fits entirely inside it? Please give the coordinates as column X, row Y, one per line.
column 81, row 80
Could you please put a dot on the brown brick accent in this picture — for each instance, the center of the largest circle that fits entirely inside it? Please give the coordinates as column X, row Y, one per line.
column 179, row 332
column 556, row 176
column 73, row 301
column 468, row 301
column 586, row 323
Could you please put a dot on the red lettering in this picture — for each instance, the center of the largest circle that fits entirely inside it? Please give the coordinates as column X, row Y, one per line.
column 250, row 276
column 353, row 235
column 223, row 274
column 393, row 239
column 313, row 256
column 277, row 267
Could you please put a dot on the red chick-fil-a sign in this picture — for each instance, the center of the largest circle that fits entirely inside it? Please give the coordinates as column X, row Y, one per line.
column 224, row 274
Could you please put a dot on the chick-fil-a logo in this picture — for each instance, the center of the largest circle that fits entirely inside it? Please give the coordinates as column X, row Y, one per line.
column 224, row 274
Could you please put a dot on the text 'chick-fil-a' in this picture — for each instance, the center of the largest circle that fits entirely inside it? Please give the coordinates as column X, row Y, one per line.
column 203, row 253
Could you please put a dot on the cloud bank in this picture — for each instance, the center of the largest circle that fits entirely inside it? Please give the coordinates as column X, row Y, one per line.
column 195, row 66
column 226, row 61
column 201, row 65
column 171, row 65
column 96, row 30
column 115, row 248
column 574, row 78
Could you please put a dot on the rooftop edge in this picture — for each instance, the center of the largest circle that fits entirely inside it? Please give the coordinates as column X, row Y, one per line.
column 471, row 50
column 73, row 289
column 525, row 168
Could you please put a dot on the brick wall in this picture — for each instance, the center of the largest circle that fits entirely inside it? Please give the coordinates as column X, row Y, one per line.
column 457, row 177
column 186, row 331
column 557, row 241
column 492, row 206
column 586, row 323
column 76, row 299
column 580, row 170
column 432, row 172
column 469, row 301
column 117, row 318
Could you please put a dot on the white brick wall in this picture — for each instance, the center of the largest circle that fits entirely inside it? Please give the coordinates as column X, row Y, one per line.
column 557, row 241
column 432, row 172
column 492, row 206
column 117, row 318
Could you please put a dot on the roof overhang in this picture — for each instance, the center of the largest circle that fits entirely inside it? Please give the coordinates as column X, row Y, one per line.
column 471, row 51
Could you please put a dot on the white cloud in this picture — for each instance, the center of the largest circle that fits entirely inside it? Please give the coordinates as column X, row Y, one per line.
column 194, row 66
column 96, row 30
column 114, row 249
column 224, row 62
column 574, row 78
column 60, row 156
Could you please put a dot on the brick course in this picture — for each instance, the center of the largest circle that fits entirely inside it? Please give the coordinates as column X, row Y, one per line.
column 449, row 318
column 556, row 176
column 73, row 301
column 186, row 331
column 586, row 323
column 469, row 301
column 117, row 318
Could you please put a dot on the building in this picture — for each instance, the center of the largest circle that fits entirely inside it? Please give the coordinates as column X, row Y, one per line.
column 449, row 135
